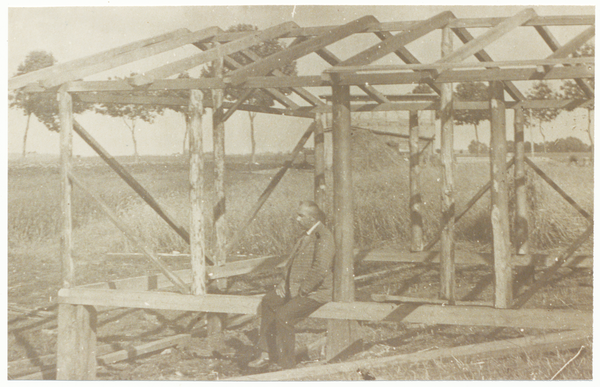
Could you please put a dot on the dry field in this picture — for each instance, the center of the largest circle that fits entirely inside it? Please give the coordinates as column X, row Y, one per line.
column 381, row 219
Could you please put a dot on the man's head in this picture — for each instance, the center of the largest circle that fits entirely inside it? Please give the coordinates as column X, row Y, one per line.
column 308, row 214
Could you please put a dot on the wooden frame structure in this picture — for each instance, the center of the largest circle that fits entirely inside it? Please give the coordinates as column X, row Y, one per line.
column 76, row 343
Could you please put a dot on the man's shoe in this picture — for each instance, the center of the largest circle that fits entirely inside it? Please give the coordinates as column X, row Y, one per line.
column 262, row 361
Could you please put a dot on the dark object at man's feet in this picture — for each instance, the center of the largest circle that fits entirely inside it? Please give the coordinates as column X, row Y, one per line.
column 261, row 361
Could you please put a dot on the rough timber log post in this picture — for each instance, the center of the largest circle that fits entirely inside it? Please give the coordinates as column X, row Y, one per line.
column 319, row 184
column 215, row 321
column 447, row 270
column 197, row 248
column 416, row 220
column 76, row 346
column 522, row 223
column 500, row 225
column 341, row 334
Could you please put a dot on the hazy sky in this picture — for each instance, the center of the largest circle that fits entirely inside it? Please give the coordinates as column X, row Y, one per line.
column 73, row 32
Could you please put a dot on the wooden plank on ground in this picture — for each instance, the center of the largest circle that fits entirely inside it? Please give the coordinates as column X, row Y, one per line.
column 246, row 266
column 416, row 300
column 545, row 343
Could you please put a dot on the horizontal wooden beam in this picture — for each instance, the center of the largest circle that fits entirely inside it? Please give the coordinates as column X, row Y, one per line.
column 361, row 311
column 560, row 341
column 416, row 300
column 473, row 258
column 245, row 266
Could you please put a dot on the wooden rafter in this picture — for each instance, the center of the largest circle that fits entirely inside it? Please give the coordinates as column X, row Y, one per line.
column 490, row 36
column 389, row 45
column 280, row 59
column 333, row 60
column 182, row 65
column 39, row 75
column 554, row 46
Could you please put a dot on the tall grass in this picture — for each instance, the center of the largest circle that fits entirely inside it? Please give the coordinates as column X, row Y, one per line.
column 380, row 201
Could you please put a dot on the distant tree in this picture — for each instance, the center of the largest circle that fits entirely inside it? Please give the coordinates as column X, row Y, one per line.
column 569, row 144
column 42, row 105
column 476, row 147
column 259, row 97
column 183, row 109
column 472, row 91
column 131, row 114
column 541, row 91
column 571, row 90
column 423, row 88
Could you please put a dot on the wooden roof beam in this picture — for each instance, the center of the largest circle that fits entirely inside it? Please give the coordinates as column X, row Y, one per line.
column 490, row 36
column 280, row 59
column 389, row 45
column 372, row 92
column 466, row 37
column 131, row 56
column 554, row 46
column 57, row 69
column 182, row 65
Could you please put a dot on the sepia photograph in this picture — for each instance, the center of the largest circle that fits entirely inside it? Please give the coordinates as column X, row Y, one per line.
column 299, row 192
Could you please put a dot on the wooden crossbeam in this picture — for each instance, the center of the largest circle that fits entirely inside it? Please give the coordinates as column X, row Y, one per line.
column 466, row 37
column 131, row 181
column 572, row 45
column 389, row 45
column 552, row 342
column 129, row 57
column 361, row 311
column 559, row 190
column 309, row 112
column 470, row 258
column 131, row 236
column 271, row 187
column 36, row 76
column 554, row 46
column 450, row 76
column 182, row 65
column 490, row 36
column 333, row 60
column 277, row 60
column 417, row 300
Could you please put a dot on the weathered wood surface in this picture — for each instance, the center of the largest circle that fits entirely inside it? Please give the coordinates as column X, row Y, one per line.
column 196, row 180
column 415, row 200
column 65, row 114
column 545, row 343
column 280, row 59
column 76, row 342
column 131, row 236
column 447, row 257
column 361, row 311
column 416, row 300
column 521, row 206
column 464, row 257
column 499, row 192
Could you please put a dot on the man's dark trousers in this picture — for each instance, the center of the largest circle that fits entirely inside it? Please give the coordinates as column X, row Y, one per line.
column 279, row 315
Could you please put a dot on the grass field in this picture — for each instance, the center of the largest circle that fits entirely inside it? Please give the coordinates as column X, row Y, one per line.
column 381, row 218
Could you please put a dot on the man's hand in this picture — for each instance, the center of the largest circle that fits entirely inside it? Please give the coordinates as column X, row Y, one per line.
column 280, row 289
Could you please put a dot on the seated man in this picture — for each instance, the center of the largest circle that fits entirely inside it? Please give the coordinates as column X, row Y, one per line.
column 307, row 284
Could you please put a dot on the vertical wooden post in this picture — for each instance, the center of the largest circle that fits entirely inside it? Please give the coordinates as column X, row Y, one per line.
column 522, row 218
column 214, row 321
column 447, row 270
column 319, row 184
column 341, row 334
column 499, row 215
column 65, row 111
column 197, row 248
column 416, row 219
column 76, row 343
